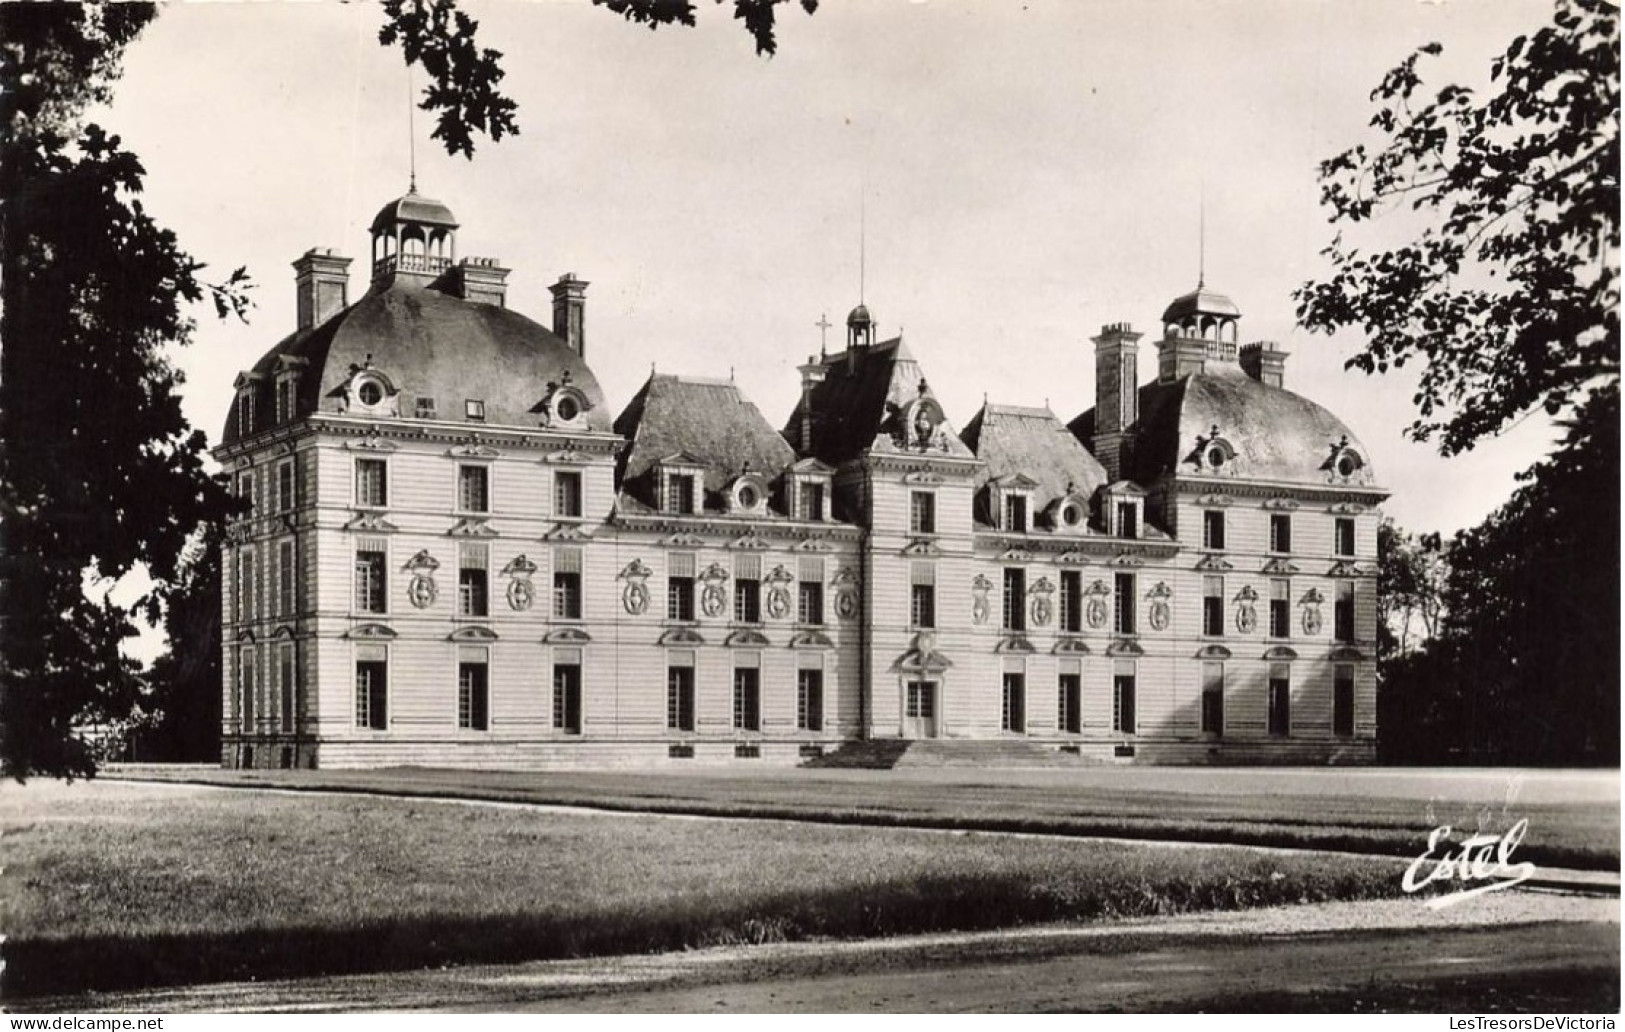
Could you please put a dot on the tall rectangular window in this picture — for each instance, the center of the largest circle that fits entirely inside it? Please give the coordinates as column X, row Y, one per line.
column 1013, row 708
column 809, row 700
column 287, row 684
column 248, row 688
column 680, row 698
column 372, row 695
column 473, row 580
column 473, row 697
column 1343, row 700
column 1280, row 608
column 1071, row 601
column 369, row 581
column 1128, row 520
column 1123, row 703
column 371, row 483
column 1343, row 611
column 287, row 578
column 1280, row 700
column 1343, row 531
column 285, row 486
column 1015, row 513
column 1015, row 599
column 680, row 586
column 747, row 699
column 1069, row 704
column 810, row 602
column 473, row 489
column 1212, row 605
column 747, row 600
column 567, row 494
column 922, row 512
column 922, row 610
column 1213, row 529
column 567, row 583
column 567, row 698
column 1213, row 698
column 1280, row 532
column 812, row 502
column 245, row 584
column 1123, row 596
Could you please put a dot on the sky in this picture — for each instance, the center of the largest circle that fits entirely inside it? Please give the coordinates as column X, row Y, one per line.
column 1019, row 174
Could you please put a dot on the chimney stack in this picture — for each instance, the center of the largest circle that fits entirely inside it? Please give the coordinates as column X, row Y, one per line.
column 570, row 312
column 1265, row 362
column 812, row 374
column 1117, row 394
column 480, row 280
column 321, row 279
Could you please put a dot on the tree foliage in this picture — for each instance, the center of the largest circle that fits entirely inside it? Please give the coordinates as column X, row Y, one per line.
column 99, row 471
column 464, row 77
column 1509, row 295
column 1410, row 589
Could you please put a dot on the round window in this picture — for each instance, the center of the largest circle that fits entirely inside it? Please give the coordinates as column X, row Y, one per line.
column 747, row 497
column 1347, row 465
column 1071, row 515
column 1215, row 456
column 566, row 408
column 370, row 392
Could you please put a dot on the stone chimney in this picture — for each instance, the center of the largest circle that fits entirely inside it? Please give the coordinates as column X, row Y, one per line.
column 480, row 280
column 1179, row 355
column 321, row 280
column 1265, row 362
column 1117, row 394
column 570, row 312
column 812, row 374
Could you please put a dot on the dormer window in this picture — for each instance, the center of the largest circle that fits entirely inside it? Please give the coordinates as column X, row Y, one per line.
column 807, row 484
column 1015, row 513
column 1123, row 510
column 1126, row 521
column 247, row 388
column 425, row 408
column 370, row 393
column 1344, row 462
column 811, row 505
column 747, row 495
column 474, row 408
column 288, row 370
column 563, row 405
column 1213, row 452
column 678, row 494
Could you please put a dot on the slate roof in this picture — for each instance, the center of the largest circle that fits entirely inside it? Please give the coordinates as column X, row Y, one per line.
column 1278, row 435
column 1200, row 300
column 708, row 420
column 432, row 344
column 1011, row 439
column 860, row 399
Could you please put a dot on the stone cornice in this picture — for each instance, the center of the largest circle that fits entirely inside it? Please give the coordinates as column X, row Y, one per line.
column 730, row 531
column 1274, row 489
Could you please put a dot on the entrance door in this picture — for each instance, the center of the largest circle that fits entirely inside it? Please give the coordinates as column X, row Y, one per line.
column 920, row 710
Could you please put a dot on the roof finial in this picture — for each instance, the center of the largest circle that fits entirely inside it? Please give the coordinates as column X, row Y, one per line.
column 411, row 135
column 823, row 325
column 1201, row 239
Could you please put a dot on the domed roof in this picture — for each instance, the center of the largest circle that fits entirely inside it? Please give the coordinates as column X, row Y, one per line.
column 1200, row 301
column 1276, row 435
column 413, row 207
column 427, row 344
column 859, row 316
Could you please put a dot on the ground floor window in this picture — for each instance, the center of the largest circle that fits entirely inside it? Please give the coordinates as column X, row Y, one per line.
column 1123, row 703
column 1014, row 710
column 1069, row 705
column 473, row 697
column 1280, row 699
column 371, row 695
column 920, row 700
column 1213, row 698
column 810, row 700
column 680, row 698
column 747, row 700
column 1343, row 700
column 567, row 698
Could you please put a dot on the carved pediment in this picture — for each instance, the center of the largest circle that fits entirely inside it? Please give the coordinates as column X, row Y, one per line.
column 750, row 541
column 1071, row 647
column 746, row 637
column 566, row 636
column 1285, row 504
column 1349, row 568
column 1212, row 652
column 1015, row 555
column 1280, row 652
column 567, row 457
column 1125, row 559
column 1280, row 566
column 371, row 522
column 468, row 634
column 921, row 476
column 1072, row 558
column 1215, row 564
column 1124, row 647
column 474, row 449
column 1215, row 500
column 812, row 544
column 1014, row 643
column 681, row 636
column 567, row 532
column 681, row 540
column 1346, row 654
column 921, row 546
column 810, row 639
column 371, row 442
column 917, row 661
column 472, row 527
column 1347, row 508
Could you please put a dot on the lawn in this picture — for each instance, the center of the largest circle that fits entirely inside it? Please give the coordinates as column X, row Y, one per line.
column 112, row 884
column 1573, row 816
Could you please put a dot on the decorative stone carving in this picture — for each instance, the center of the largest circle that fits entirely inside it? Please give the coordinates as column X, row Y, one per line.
column 1042, row 606
column 1246, row 609
column 421, row 589
column 521, row 592
column 1160, row 614
column 635, row 595
column 979, row 608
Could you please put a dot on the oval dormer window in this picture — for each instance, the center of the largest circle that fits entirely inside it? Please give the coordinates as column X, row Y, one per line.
column 1348, row 464
column 567, row 408
column 1215, row 456
column 748, row 497
column 1071, row 514
column 371, row 392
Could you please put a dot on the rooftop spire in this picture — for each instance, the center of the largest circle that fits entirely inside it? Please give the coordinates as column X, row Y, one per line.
column 411, row 136
column 1201, row 240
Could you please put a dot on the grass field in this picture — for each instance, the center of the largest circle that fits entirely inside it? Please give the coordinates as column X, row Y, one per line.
column 113, row 884
column 1573, row 816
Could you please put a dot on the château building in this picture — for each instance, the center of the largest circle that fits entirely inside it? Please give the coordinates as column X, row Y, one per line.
column 456, row 554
